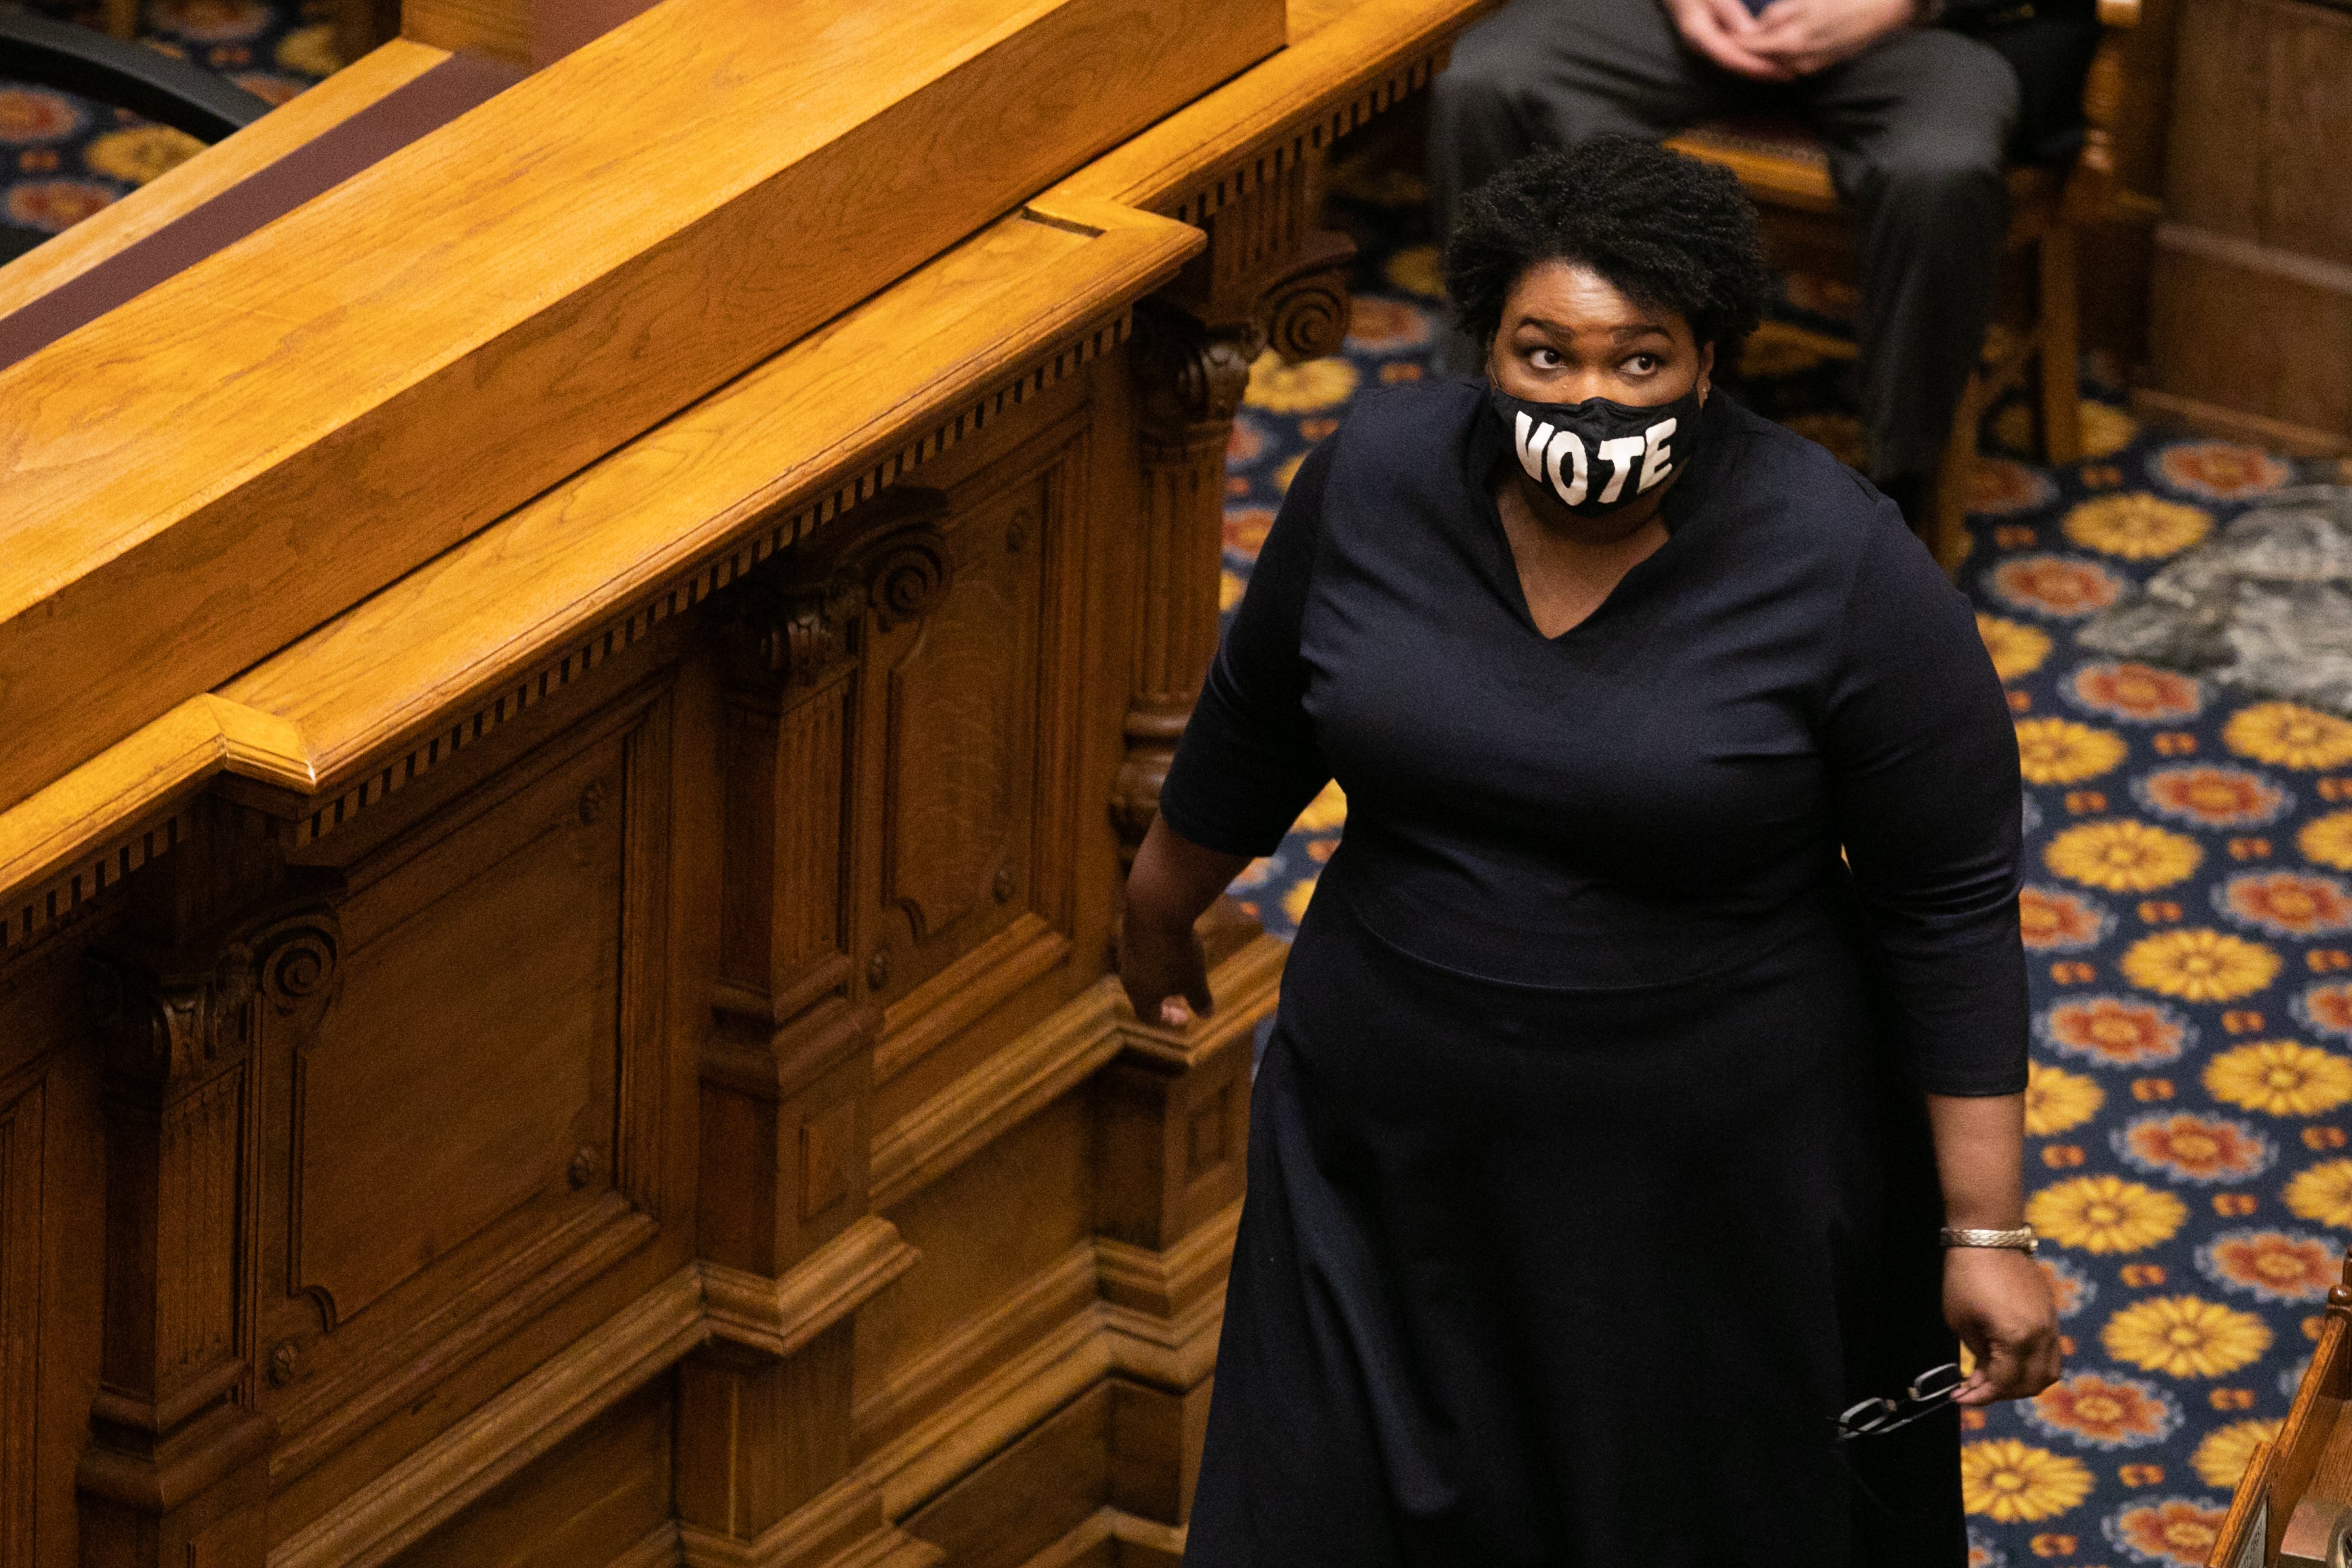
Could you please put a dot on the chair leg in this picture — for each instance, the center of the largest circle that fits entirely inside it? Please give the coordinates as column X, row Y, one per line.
column 2062, row 342
column 1947, row 528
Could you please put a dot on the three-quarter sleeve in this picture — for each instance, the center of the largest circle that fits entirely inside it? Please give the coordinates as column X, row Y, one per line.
column 1248, row 762
column 1923, row 792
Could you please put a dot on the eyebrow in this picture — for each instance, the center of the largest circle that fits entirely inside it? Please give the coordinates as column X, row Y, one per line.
column 1623, row 334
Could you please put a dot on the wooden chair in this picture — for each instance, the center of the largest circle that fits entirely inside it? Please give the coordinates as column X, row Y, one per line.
column 1787, row 169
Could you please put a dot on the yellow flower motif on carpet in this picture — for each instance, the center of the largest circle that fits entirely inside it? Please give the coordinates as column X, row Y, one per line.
column 1294, row 901
column 2221, row 1458
column 1418, row 270
column 1326, row 812
column 1229, row 590
column 311, row 50
column 1300, row 388
column 2200, row 965
column 2327, row 840
column 2106, row 1214
column 2122, row 857
column 2323, row 1194
column 2106, row 429
column 2283, row 1078
column 2012, row 1482
column 2060, row 751
column 2289, row 735
column 2136, row 526
column 2017, row 649
column 137, row 153
column 2056, row 1100
column 2185, row 1336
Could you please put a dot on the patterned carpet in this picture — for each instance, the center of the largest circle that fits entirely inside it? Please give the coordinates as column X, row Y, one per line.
column 66, row 156
column 2189, row 932
column 2189, row 929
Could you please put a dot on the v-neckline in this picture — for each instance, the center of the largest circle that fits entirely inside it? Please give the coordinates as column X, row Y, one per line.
column 1488, row 445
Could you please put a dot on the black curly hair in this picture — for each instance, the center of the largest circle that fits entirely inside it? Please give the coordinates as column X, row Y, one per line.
column 1671, row 232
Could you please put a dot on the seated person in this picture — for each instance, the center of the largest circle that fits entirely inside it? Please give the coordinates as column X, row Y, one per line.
column 1921, row 102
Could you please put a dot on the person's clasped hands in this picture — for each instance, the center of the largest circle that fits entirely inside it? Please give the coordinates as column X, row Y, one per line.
column 1786, row 39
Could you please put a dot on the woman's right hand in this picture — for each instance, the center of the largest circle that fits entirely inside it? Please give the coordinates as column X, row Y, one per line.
column 1166, row 972
column 1160, row 959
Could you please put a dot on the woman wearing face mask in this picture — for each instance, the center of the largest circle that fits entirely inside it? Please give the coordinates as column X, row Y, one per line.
column 1642, row 1123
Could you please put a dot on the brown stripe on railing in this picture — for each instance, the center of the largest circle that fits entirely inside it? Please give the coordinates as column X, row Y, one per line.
column 375, row 132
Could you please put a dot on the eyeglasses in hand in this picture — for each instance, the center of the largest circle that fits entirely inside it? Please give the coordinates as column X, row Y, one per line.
column 1928, row 1393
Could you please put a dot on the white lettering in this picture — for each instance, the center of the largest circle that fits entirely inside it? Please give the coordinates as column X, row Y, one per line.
column 1570, row 444
column 1531, row 447
column 1621, row 452
column 1657, row 457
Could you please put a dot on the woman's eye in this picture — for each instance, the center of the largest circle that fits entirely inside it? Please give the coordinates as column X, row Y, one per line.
column 1643, row 364
column 1544, row 359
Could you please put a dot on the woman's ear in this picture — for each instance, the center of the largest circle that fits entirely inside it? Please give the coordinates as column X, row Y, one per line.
column 1705, row 370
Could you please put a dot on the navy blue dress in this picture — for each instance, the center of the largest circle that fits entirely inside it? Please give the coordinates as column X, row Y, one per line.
column 1589, row 1170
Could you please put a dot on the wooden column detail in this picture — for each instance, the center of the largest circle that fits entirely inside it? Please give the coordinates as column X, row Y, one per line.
column 790, row 1250
column 175, row 1470
column 1266, row 281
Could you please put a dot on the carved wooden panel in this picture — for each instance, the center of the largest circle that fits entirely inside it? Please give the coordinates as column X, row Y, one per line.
column 20, row 1319
column 474, row 1128
column 970, row 714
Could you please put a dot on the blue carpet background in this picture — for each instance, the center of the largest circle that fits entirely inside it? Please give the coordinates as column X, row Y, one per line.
column 2188, row 919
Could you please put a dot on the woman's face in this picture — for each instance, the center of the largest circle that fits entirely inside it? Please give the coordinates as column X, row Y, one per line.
column 1568, row 334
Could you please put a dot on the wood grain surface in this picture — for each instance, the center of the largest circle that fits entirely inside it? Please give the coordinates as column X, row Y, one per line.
column 296, row 421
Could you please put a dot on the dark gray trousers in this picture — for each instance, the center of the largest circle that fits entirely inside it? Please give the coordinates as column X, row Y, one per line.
column 1916, row 125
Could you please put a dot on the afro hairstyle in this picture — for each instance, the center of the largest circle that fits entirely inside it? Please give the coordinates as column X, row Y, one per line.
column 1670, row 232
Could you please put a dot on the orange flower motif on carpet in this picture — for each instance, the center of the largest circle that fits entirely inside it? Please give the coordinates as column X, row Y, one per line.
column 212, row 21
column 2060, row 751
column 2106, row 1214
column 2070, row 1288
column 2116, row 1031
column 2281, row 1077
column 2200, row 965
column 30, row 115
column 2201, row 1148
column 1385, row 326
column 2326, row 1008
column 2139, row 692
column 2185, row 1336
column 2273, row 1265
column 55, row 205
column 1245, row 529
column 2054, row 585
column 2286, row 903
column 2054, row 920
column 2221, row 471
column 2105, row 1412
column 2135, row 526
column 2289, row 735
column 2006, row 1482
column 2180, row 1530
column 2000, row 488
column 2207, row 796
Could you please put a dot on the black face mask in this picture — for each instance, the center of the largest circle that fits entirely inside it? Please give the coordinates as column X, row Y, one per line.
column 1598, row 456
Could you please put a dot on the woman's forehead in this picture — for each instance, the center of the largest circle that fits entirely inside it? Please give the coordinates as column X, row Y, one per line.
column 1568, row 295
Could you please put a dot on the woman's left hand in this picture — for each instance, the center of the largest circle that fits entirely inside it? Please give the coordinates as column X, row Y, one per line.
column 1998, row 1301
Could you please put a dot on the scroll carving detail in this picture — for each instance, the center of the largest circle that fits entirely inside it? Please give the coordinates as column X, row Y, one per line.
column 799, row 616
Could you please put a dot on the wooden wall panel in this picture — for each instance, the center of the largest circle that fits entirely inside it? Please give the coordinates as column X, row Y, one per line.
column 1033, row 1494
column 586, row 1501
column 479, row 1127
column 998, row 1232
column 21, row 1131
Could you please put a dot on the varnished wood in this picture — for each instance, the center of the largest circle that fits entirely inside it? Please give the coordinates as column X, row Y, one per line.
column 721, row 1107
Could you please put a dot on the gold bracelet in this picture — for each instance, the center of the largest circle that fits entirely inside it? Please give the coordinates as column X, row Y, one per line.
column 2022, row 1239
